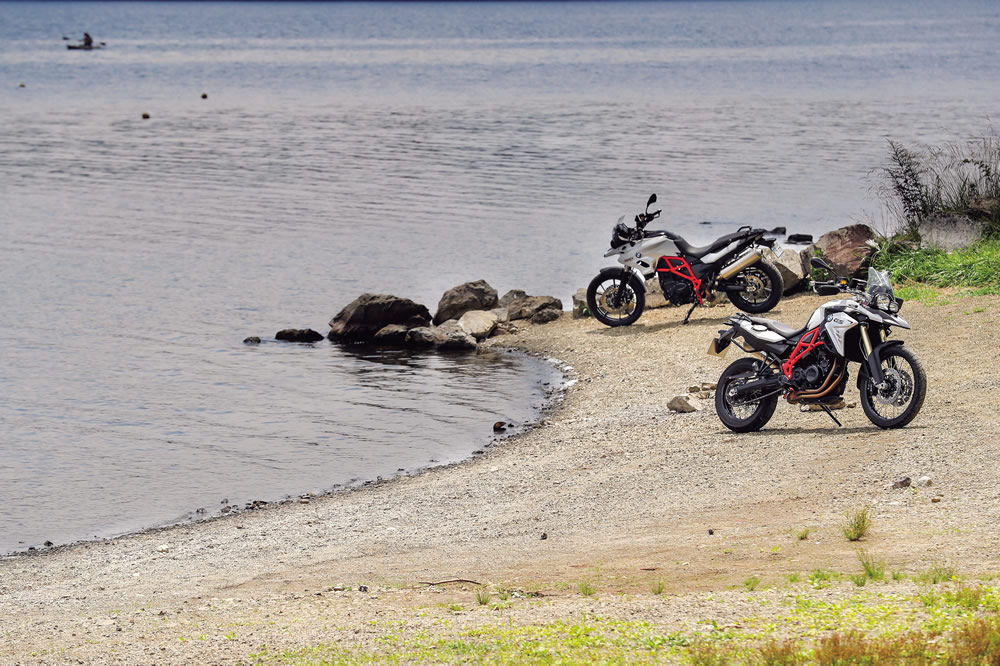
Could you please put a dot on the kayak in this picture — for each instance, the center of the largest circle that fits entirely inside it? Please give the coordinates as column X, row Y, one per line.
column 81, row 47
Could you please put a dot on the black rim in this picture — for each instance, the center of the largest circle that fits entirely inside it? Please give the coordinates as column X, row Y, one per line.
column 758, row 286
column 615, row 299
column 892, row 400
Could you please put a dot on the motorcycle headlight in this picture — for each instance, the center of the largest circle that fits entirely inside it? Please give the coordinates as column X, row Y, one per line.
column 893, row 305
column 882, row 302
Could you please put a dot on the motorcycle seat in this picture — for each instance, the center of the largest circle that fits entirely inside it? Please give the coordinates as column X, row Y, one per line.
column 784, row 330
column 714, row 246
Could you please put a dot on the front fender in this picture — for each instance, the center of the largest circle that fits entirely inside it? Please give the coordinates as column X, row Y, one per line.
column 872, row 367
column 622, row 271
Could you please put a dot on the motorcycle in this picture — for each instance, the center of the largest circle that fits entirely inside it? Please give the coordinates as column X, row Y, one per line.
column 732, row 264
column 808, row 366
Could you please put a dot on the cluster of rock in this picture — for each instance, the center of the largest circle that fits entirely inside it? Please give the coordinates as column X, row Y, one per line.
column 692, row 401
column 465, row 315
column 843, row 248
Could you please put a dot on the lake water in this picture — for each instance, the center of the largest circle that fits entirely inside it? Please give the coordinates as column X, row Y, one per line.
column 390, row 147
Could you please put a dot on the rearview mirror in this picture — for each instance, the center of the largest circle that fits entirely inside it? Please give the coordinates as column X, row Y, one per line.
column 816, row 262
column 652, row 200
column 827, row 290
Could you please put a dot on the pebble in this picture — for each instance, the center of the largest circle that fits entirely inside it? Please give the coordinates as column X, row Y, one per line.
column 163, row 548
column 924, row 481
column 902, row 483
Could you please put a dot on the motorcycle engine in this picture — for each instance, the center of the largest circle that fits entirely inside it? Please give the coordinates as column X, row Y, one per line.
column 810, row 372
column 676, row 290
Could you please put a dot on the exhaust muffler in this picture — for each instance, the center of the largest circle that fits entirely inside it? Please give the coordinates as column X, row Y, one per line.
column 748, row 258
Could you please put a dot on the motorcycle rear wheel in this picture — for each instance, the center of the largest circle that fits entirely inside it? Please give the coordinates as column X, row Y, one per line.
column 906, row 387
column 746, row 415
column 764, row 287
column 615, row 300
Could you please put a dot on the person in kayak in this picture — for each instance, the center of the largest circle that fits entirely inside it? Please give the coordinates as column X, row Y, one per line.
column 88, row 41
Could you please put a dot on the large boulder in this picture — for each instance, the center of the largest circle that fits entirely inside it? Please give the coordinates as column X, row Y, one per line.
column 298, row 335
column 521, row 306
column 949, row 231
column 455, row 302
column 845, row 248
column 789, row 266
column 370, row 313
column 478, row 323
column 448, row 336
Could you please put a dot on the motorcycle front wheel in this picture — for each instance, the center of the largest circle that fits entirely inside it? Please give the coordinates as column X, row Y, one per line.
column 897, row 403
column 746, row 414
column 615, row 300
column 762, row 288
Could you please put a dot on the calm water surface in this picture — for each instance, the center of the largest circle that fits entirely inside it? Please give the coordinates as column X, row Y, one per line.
column 393, row 147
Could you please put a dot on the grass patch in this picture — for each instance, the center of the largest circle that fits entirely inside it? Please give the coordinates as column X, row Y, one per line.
column 820, row 578
column 586, row 588
column 803, row 534
column 873, row 569
column 939, row 573
column 793, row 577
column 751, row 583
column 483, row 595
column 859, row 521
column 976, row 267
column 656, row 587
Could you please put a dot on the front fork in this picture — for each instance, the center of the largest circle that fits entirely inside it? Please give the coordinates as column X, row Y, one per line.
column 874, row 365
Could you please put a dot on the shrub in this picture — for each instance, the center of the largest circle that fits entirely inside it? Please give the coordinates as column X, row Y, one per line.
column 858, row 523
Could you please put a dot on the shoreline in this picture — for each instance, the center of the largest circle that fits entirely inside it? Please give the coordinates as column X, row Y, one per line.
column 624, row 492
column 551, row 398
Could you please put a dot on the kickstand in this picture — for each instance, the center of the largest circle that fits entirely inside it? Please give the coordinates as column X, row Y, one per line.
column 688, row 315
column 830, row 414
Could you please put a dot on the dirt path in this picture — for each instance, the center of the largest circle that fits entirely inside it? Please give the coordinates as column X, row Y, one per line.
column 624, row 492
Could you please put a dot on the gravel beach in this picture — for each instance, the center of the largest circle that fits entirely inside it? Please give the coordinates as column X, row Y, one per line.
column 611, row 489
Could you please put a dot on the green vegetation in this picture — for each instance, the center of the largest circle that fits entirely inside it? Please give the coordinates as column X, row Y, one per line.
column 586, row 588
column 657, row 587
column 873, row 569
column 858, row 523
column 940, row 573
column 961, row 177
column 960, row 625
column 976, row 267
column 751, row 583
column 803, row 534
column 483, row 595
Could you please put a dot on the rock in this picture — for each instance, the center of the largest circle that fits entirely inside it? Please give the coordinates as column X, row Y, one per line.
column 924, row 481
column 703, row 395
column 521, row 306
column 47, row 544
column 458, row 340
column 805, row 254
column 362, row 588
column 545, row 315
column 780, row 231
column 902, row 483
column 935, row 499
column 800, row 238
column 544, row 536
column 499, row 426
column 789, row 267
column 252, row 340
column 423, row 336
column 298, row 335
column 684, row 404
column 708, row 386
column 654, row 294
column 845, row 248
column 478, row 323
column 949, row 231
column 580, row 307
column 711, row 531
column 163, row 548
column 360, row 320
column 694, row 389
column 455, row 302
column 506, row 328
column 145, row 116
column 393, row 334
column 501, row 314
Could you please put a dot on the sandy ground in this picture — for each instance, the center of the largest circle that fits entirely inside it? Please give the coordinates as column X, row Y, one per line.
column 613, row 490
